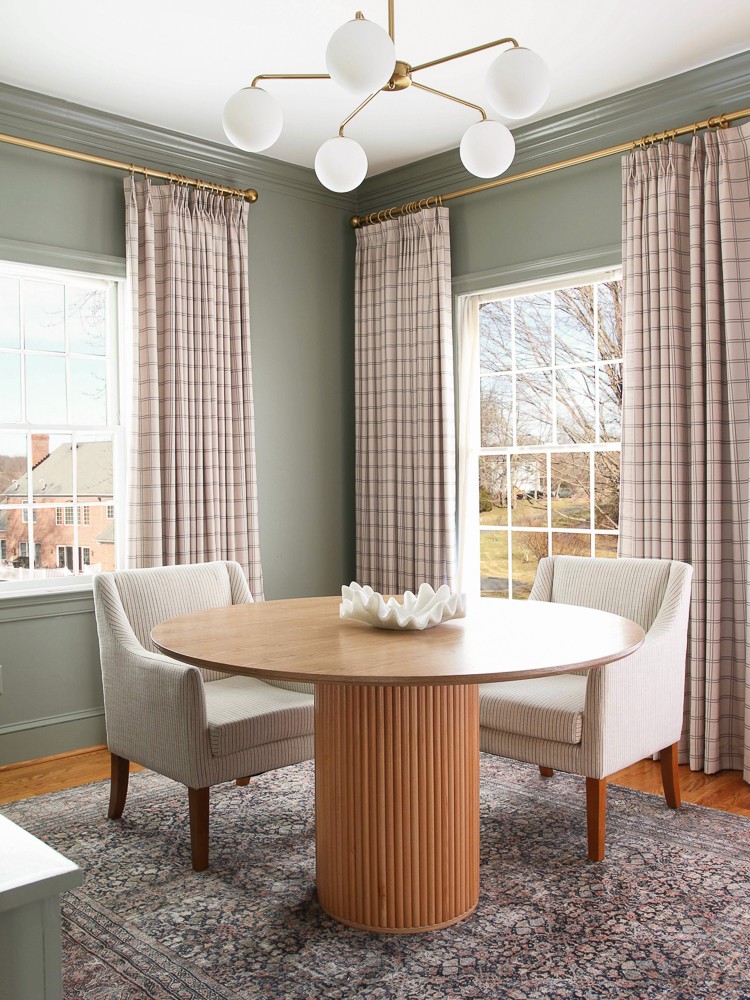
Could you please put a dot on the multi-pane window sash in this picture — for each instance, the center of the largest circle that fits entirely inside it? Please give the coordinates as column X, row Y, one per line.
column 550, row 397
column 64, row 515
column 61, row 436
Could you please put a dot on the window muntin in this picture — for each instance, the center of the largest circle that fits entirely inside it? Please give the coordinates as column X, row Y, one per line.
column 61, row 440
column 550, row 390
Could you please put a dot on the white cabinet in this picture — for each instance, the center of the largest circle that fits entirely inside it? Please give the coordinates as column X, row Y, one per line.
column 32, row 876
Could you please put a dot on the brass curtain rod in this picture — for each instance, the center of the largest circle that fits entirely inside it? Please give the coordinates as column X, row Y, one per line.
column 719, row 121
column 101, row 161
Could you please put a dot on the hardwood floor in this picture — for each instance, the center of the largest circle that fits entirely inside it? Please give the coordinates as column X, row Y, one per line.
column 50, row 774
column 725, row 790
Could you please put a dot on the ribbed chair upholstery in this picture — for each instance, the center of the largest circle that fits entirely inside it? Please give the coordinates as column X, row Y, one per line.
column 199, row 727
column 594, row 723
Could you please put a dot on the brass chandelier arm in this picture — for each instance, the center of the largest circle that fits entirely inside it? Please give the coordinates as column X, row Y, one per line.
column 450, row 97
column 290, row 76
column 357, row 111
column 466, row 52
column 391, row 20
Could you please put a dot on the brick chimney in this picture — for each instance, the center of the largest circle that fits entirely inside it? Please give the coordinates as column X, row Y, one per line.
column 39, row 448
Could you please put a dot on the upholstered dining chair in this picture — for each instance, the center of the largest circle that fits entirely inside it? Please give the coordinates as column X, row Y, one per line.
column 198, row 727
column 593, row 723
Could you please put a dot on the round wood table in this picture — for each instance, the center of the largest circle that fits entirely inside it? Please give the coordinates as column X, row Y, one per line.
column 397, row 733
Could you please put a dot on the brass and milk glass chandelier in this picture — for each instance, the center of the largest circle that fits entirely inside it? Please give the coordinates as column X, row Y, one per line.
column 361, row 58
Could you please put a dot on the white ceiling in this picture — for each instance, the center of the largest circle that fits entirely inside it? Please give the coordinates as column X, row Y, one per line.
column 175, row 65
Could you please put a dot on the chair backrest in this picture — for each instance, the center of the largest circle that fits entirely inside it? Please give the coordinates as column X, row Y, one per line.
column 633, row 588
column 150, row 596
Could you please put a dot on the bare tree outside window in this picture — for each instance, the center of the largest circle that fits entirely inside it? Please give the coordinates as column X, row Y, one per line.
column 550, row 404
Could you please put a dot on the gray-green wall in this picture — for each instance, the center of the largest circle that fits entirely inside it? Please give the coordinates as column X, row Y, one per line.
column 68, row 213
column 301, row 257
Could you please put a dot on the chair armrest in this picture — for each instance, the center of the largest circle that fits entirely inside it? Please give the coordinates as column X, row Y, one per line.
column 638, row 701
column 155, row 712
column 633, row 707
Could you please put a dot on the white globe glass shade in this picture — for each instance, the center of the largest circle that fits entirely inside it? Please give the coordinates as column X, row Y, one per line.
column 252, row 119
column 518, row 83
column 487, row 149
column 341, row 164
column 361, row 56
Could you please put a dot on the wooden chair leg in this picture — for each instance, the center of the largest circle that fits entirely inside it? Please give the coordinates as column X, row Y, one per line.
column 198, row 808
column 118, row 789
column 546, row 772
column 243, row 781
column 670, row 776
column 596, row 816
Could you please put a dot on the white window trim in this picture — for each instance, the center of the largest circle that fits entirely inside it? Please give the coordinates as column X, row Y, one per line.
column 119, row 359
column 467, row 313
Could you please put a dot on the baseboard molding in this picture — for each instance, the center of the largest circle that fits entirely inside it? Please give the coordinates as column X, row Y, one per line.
column 36, row 761
column 52, row 720
column 49, row 737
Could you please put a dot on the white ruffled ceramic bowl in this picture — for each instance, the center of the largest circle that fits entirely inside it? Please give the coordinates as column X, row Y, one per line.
column 425, row 610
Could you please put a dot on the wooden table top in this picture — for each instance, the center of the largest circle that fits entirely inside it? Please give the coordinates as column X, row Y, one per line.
column 305, row 640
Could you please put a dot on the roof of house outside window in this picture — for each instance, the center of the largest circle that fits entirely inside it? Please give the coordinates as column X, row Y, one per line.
column 53, row 476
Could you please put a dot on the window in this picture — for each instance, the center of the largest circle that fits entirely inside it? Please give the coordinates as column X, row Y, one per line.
column 73, row 559
column 61, row 441
column 548, row 455
column 65, row 515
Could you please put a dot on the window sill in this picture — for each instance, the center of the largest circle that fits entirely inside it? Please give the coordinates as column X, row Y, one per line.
column 44, row 588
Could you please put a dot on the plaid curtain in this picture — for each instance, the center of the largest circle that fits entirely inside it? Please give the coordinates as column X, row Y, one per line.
column 405, row 435
column 686, row 412
column 192, row 493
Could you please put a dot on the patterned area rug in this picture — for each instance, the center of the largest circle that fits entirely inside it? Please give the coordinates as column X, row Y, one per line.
column 666, row 915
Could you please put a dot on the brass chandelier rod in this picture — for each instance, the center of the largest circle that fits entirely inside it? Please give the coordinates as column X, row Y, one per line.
column 450, row 97
column 466, row 52
column 250, row 194
column 402, row 76
column 718, row 121
column 290, row 76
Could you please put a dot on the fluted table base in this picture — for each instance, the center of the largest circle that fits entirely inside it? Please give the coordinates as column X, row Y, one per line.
column 397, row 804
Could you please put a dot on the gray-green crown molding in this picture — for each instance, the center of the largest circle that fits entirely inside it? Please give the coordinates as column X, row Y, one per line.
column 46, row 119
column 579, row 262
column 717, row 88
column 61, row 257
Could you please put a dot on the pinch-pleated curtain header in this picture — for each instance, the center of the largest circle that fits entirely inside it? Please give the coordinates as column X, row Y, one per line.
column 685, row 490
column 193, row 489
column 404, row 403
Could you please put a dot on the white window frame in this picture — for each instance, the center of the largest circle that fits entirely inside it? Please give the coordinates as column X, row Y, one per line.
column 469, row 437
column 118, row 363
